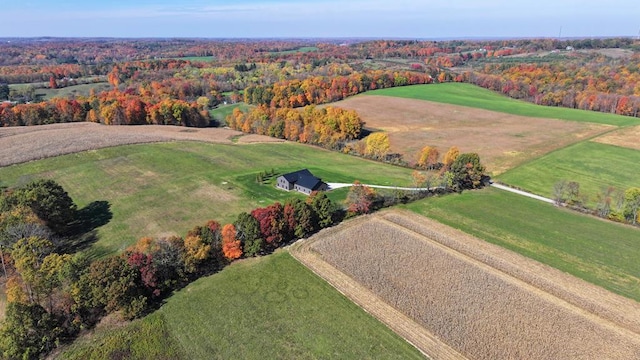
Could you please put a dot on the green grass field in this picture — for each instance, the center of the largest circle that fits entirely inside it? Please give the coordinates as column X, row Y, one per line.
column 593, row 165
column 263, row 308
column 77, row 90
column 221, row 112
column 474, row 96
column 301, row 50
column 169, row 188
column 601, row 252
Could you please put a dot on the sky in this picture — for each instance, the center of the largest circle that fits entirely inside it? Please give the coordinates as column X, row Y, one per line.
column 413, row 19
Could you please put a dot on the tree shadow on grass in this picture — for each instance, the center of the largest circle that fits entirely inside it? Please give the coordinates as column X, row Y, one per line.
column 83, row 232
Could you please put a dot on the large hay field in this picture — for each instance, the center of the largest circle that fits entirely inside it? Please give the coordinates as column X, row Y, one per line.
column 601, row 252
column 168, row 188
column 594, row 165
column 482, row 301
column 477, row 97
column 502, row 140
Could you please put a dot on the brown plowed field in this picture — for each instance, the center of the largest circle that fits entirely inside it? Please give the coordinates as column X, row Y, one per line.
column 502, row 140
column 482, row 301
column 22, row 144
column 627, row 137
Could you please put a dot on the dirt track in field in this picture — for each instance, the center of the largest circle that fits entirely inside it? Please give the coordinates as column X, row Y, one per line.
column 27, row 143
column 627, row 137
column 502, row 140
column 460, row 295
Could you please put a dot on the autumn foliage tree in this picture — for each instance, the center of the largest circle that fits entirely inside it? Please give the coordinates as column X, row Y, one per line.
column 451, row 156
column 428, row 158
column 377, row 145
column 231, row 247
column 360, row 199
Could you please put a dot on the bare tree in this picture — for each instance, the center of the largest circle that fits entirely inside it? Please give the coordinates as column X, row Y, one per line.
column 559, row 191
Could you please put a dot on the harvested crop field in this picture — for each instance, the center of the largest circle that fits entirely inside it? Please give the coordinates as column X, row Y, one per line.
column 502, row 140
column 22, row 144
column 482, row 301
column 627, row 137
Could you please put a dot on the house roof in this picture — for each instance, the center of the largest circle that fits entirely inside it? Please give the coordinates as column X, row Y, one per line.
column 309, row 182
column 295, row 176
column 304, row 178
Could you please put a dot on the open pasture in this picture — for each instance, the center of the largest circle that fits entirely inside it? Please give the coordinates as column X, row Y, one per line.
column 481, row 300
column 502, row 140
column 168, row 188
column 593, row 165
column 263, row 308
column 601, row 252
column 477, row 97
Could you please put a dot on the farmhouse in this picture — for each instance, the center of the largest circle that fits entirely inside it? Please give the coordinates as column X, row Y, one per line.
column 302, row 181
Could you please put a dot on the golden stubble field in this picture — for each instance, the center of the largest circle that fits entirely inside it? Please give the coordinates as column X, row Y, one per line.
column 22, row 144
column 502, row 140
column 460, row 297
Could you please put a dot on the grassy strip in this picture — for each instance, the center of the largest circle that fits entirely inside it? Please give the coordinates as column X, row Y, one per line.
column 474, row 96
column 593, row 165
column 168, row 188
column 262, row 308
column 601, row 252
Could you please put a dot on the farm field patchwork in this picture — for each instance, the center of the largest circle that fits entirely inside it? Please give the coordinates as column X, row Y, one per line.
column 168, row 188
column 601, row 252
column 593, row 165
column 482, row 300
column 477, row 97
column 263, row 308
column 502, row 140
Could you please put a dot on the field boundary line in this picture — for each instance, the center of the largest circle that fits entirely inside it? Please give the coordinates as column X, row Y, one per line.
column 415, row 334
column 605, row 306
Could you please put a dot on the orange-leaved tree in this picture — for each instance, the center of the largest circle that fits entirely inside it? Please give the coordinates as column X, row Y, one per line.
column 230, row 245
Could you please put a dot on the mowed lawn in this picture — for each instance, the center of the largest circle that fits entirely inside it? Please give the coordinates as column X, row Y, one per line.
column 168, row 188
column 474, row 96
column 262, row 308
column 598, row 251
column 594, row 166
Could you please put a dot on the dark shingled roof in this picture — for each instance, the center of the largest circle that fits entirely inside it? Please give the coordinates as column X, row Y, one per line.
column 309, row 182
column 295, row 176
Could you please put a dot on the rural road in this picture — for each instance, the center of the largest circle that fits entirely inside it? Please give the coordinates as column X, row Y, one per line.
column 523, row 193
column 333, row 186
